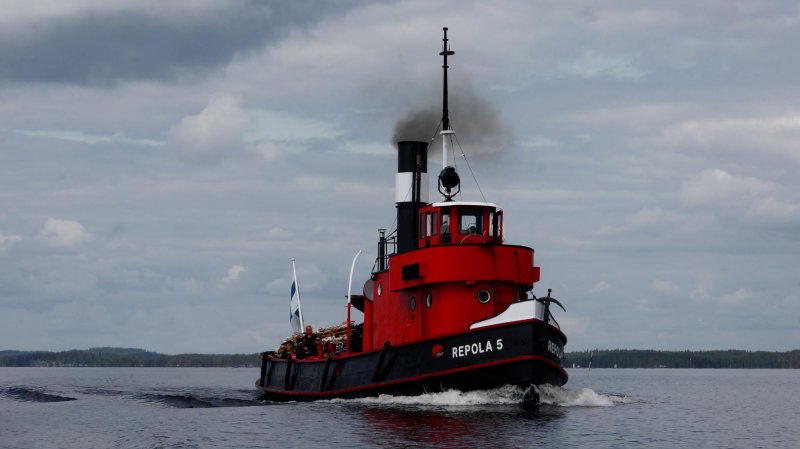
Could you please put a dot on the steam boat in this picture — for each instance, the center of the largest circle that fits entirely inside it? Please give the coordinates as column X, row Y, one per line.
column 449, row 305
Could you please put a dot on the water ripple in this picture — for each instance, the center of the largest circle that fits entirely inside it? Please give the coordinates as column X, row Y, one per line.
column 33, row 395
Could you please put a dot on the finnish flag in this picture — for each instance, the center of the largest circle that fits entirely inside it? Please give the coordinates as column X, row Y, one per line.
column 294, row 309
column 295, row 314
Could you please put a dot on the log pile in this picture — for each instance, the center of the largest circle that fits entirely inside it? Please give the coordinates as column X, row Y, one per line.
column 336, row 335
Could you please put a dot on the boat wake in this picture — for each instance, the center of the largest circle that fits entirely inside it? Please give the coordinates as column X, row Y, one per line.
column 584, row 397
column 499, row 396
column 191, row 401
column 506, row 395
column 32, row 395
column 207, row 399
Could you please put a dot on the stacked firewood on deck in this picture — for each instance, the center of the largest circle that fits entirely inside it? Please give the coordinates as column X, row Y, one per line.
column 286, row 348
column 331, row 338
column 334, row 334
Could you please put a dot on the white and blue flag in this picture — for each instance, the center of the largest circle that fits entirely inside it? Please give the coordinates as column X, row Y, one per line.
column 295, row 313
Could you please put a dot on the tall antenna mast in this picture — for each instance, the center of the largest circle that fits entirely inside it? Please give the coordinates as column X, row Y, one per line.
column 448, row 178
column 445, row 53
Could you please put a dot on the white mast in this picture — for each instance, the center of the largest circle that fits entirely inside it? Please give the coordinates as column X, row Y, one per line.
column 445, row 147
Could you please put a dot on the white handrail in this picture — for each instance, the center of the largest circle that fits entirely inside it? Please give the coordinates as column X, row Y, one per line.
column 349, row 294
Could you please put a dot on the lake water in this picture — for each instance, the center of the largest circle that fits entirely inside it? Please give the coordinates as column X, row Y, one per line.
column 218, row 407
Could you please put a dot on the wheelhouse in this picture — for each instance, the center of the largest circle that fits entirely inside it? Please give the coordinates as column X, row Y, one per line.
column 457, row 222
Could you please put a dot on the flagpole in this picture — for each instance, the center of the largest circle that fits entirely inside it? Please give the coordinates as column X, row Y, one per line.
column 349, row 294
column 297, row 286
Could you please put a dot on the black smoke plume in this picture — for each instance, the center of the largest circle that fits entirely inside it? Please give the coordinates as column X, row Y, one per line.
column 479, row 127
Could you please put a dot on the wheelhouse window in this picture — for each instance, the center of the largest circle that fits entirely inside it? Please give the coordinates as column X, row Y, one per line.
column 433, row 223
column 498, row 228
column 470, row 221
column 445, row 226
column 428, row 224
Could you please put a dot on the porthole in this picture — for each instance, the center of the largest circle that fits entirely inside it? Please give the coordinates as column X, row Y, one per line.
column 484, row 296
column 413, row 303
column 379, row 288
column 428, row 300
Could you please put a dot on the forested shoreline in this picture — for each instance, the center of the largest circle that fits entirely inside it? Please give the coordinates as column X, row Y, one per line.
column 617, row 358
column 643, row 358
column 123, row 357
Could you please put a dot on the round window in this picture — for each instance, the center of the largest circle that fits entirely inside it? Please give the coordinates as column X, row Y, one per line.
column 379, row 288
column 484, row 296
column 428, row 300
column 413, row 303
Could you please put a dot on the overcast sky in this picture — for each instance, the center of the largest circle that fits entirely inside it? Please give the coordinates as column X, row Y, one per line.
column 162, row 162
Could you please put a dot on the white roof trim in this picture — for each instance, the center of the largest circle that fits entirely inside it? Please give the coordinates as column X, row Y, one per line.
column 464, row 203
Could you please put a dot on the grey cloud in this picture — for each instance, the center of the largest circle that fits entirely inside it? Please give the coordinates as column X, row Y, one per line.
column 103, row 48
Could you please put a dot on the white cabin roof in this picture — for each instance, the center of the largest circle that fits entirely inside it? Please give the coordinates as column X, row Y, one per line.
column 465, row 203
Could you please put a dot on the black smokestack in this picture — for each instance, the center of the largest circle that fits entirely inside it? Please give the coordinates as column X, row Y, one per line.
column 411, row 191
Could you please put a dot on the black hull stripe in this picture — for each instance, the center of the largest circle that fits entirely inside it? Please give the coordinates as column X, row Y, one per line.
column 379, row 385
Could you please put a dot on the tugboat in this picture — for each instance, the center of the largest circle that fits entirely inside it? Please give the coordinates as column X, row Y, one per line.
column 449, row 305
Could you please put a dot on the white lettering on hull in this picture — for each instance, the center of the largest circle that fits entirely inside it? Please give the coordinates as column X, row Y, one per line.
column 476, row 348
column 556, row 349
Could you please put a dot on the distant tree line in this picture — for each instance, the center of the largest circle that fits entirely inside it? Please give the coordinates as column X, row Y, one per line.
column 124, row 357
column 620, row 358
column 638, row 358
